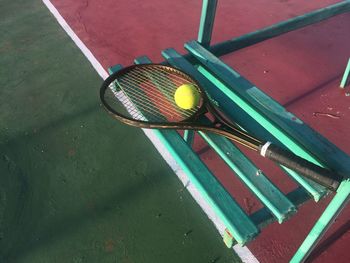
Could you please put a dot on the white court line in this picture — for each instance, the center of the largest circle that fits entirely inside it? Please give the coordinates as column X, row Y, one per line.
column 243, row 252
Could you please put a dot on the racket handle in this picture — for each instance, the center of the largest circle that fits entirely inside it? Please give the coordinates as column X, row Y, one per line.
column 322, row 176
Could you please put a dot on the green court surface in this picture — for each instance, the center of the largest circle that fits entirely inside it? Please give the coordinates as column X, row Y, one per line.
column 76, row 186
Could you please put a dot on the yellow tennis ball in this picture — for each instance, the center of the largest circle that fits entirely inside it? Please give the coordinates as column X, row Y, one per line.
column 187, row 96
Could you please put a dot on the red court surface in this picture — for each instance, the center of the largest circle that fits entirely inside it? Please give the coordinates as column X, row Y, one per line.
column 301, row 70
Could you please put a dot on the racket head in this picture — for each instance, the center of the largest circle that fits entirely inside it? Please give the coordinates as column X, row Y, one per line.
column 143, row 96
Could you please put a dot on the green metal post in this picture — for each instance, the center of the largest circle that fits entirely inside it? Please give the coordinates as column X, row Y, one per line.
column 346, row 75
column 324, row 222
column 207, row 22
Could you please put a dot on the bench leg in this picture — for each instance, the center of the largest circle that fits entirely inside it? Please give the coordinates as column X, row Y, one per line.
column 345, row 76
column 207, row 22
column 324, row 222
column 189, row 137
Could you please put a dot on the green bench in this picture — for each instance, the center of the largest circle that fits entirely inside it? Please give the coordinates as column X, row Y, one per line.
column 262, row 116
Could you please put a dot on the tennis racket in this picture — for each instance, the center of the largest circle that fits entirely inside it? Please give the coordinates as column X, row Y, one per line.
column 143, row 96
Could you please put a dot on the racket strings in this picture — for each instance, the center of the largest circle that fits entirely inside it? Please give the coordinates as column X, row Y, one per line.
column 165, row 85
column 137, row 107
column 128, row 105
column 161, row 79
column 139, row 93
column 169, row 81
column 152, row 91
column 134, row 112
column 164, row 78
column 139, row 98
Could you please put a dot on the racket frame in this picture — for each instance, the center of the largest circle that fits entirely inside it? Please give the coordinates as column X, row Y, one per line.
column 219, row 126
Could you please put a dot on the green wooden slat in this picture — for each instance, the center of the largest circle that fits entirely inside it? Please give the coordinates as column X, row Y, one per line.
column 263, row 216
column 224, row 206
column 207, row 22
column 114, row 68
column 277, row 29
column 142, row 60
column 233, row 111
column 293, row 133
column 189, row 136
column 255, row 180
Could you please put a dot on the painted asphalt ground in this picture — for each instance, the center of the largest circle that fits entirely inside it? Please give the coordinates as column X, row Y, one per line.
column 73, row 188
column 301, row 70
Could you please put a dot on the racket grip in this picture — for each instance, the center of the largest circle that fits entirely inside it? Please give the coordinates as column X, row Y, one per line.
column 322, row 176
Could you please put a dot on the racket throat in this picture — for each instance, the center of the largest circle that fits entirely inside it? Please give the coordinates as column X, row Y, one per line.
column 243, row 139
column 236, row 135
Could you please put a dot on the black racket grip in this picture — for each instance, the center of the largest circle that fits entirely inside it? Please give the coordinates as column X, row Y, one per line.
column 322, row 176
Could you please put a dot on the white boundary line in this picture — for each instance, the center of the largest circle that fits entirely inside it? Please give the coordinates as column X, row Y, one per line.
column 243, row 252
column 97, row 66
